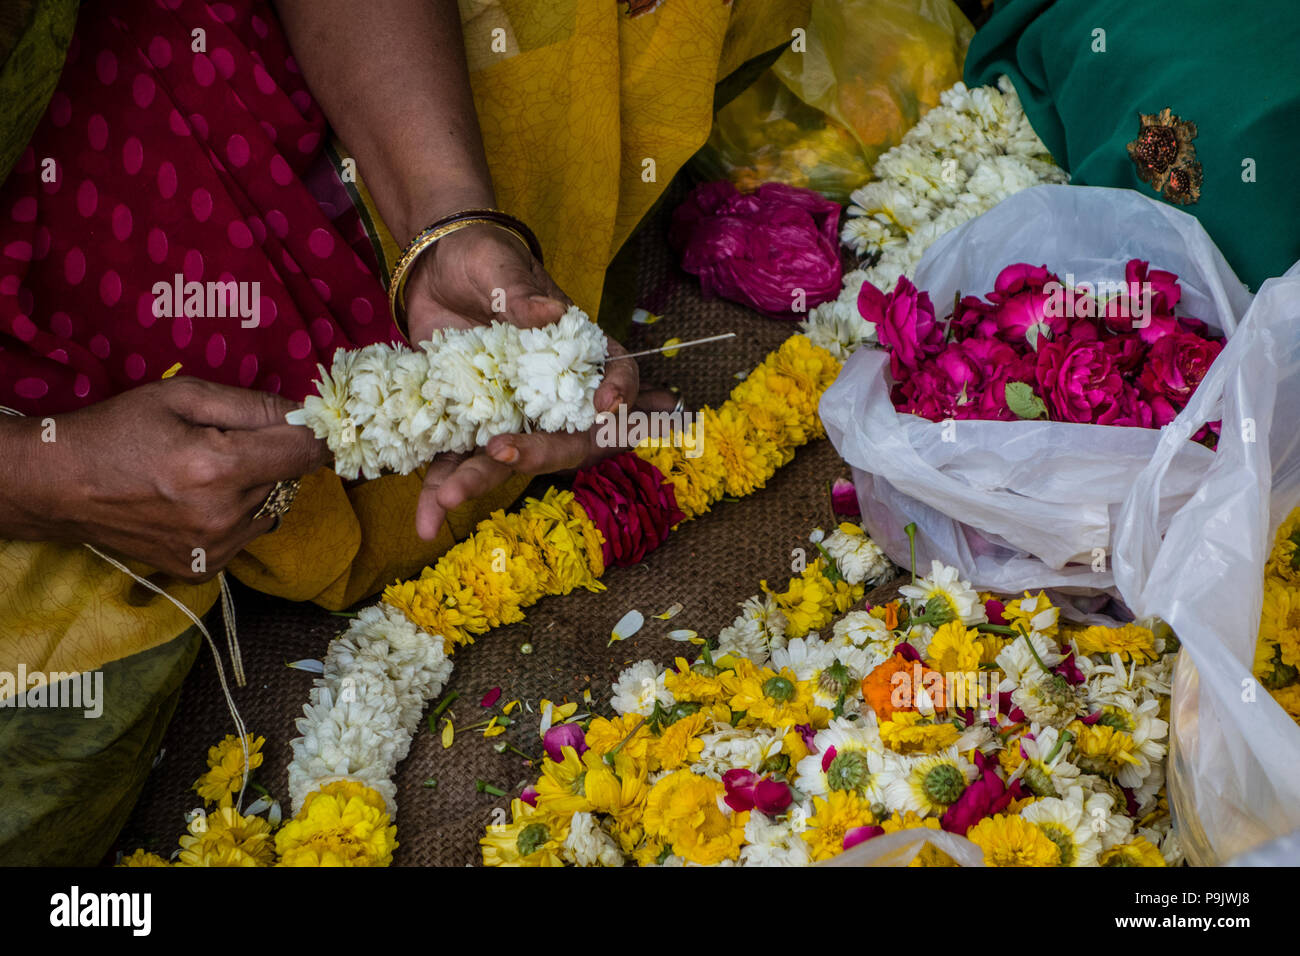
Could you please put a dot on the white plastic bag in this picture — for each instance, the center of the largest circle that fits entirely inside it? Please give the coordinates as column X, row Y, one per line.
column 1234, row 760
column 901, row 847
column 1031, row 504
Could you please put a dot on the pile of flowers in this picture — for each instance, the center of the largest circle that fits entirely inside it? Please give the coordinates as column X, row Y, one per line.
column 1036, row 348
column 1041, row 742
column 964, row 157
column 388, row 408
column 1277, row 653
column 344, row 823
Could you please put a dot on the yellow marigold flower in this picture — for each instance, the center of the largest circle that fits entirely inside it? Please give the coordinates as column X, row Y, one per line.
column 530, row 840
column 143, row 858
column 1013, row 841
column 833, row 817
column 561, row 790
column 775, row 699
column 907, row 731
column 1289, row 698
column 764, row 397
column 690, row 685
column 1284, row 560
column 1279, row 622
column 225, row 838
column 344, row 823
column 604, row 734
column 1101, row 749
column 422, row 602
column 225, row 773
column 812, row 370
column 499, row 586
column 679, row 743
column 748, row 456
column 1010, row 757
column 1032, row 611
column 696, row 475
column 682, row 811
column 1138, row 851
column 1130, row 641
column 991, row 645
column 954, row 649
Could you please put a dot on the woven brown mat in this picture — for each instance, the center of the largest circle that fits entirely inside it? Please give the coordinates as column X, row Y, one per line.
column 709, row 565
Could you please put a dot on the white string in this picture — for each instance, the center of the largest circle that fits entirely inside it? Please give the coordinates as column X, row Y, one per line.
column 232, row 641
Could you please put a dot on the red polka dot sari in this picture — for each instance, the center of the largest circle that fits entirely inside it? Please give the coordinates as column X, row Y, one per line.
column 157, row 165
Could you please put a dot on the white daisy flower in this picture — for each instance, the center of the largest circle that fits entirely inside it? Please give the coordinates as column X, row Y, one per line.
column 926, row 784
column 944, row 584
column 859, row 559
column 1075, row 823
column 850, row 756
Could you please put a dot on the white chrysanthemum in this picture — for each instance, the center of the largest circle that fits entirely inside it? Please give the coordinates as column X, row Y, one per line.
column 1049, row 698
column 758, row 629
column 729, row 749
column 857, row 764
column 773, row 843
column 1075, row 823
column 1018, row 663
column 838, row 326
column 588, row 844
column 945, row 583
column 926, row 784
column 859, row 559
column 638, row 688
column 558, row 372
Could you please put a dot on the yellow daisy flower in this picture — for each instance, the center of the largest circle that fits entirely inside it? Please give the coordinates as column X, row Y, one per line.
column 1101, row 749
column 604, row 734
column 561, row 790
column 775, row 699
column 529, row 840
column 1013, row 841
column 1034, row 613
column 687, row 684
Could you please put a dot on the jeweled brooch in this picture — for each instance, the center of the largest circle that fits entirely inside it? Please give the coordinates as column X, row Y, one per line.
column 1165, row 157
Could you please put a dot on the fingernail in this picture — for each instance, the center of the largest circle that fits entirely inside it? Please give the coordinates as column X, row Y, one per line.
column 506, row 454
column 612, row 404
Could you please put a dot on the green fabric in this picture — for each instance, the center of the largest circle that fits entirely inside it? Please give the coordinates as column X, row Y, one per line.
column 68, row 782
column 1230, row 69
column 34, row 38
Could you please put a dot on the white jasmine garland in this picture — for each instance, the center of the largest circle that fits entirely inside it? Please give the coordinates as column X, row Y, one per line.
column 589, row 845
column 965, row 156
column 386, row 408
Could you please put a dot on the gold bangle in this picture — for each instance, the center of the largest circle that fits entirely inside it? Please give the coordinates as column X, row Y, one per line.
column 424, row 241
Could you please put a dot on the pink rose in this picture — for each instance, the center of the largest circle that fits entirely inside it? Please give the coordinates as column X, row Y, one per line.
column 758, row 249
column 905, row 323
column 1026, row 313
column 1147, row 304
column 1175, row 366
column 1079, row 381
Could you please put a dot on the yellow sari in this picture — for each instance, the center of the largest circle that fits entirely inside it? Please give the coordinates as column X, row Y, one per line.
column 588, row 108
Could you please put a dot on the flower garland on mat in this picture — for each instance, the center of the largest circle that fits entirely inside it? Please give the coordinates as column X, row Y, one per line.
column 1277, row 652
column 387, row 408
column 961, row 159
column 1041, row 742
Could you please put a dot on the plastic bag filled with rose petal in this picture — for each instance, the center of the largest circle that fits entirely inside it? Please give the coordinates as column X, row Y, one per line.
column 1025, row 504
column 1234, row 764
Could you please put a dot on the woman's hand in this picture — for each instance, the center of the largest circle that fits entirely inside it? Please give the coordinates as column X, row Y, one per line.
column 156, row 472
column 457, row 284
